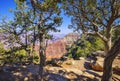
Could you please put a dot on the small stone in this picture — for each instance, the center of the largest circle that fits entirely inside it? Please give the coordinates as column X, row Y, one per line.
column 26, row 79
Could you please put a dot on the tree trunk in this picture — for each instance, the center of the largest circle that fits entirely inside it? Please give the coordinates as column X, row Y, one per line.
column 26, row 41
column 42, row 56
column 107, row 70
column 42, row 64
column 112, row 53
column 33, row 46
column 107, row 45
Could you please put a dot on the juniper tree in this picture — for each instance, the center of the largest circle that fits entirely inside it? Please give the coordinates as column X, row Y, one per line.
column 48, row 15
column 93, row 16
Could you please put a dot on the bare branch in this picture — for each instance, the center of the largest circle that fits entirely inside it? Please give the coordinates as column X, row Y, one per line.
column 116, row 26
column 97, row 34
column 102, row 37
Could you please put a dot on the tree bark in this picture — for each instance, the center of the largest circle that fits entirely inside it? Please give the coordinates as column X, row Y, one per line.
column 42, row 56
column 33, row 45
column 112, row 53
column 107, row 45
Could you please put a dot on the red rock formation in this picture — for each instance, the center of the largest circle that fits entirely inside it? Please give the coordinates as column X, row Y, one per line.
column 58, row 48
column 54, row 50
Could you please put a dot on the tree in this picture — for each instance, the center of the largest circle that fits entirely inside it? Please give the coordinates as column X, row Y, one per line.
column 84, row 47
column 48, row 15
column 17, row 30
column 92, row 17
column 116, row 34
column 107, row 72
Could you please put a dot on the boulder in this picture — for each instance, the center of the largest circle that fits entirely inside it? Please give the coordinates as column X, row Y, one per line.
column 98, row 64
column 26, row 79
column 81, row 58
column 99, row 53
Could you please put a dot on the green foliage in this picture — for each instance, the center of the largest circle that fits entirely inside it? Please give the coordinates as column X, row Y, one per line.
column 87, row 14
column 35, row 58
column 21, row 54
column 97, row 43
column 40, row 19
column 2, row 50
column 17, row 56
column 116, row 34
column 93, row 16
column 82, row 48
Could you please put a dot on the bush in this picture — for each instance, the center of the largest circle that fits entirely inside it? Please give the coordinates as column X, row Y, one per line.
column 82, row 48
column 15, row 56
column 21, row 55
column 2, row 50
column 35, row 58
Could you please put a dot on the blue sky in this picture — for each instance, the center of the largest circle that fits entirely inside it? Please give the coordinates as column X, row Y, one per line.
column 6, row 5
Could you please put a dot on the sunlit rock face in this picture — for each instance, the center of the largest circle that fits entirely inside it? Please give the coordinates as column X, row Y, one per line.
column 57, row 49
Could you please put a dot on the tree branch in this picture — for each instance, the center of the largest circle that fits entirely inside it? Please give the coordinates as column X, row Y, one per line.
column 118, row 26
column 97, row 34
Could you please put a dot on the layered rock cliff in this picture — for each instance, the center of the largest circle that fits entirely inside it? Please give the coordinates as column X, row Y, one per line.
column 57, row 48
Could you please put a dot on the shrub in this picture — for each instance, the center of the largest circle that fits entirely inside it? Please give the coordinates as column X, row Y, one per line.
column 82, row 48
column 35, row 58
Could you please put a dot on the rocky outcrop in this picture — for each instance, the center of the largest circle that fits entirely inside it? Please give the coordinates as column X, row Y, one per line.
column 57, row 49
column 71, row 38
column 98, row 64
column 98, row 53
column 54, row 50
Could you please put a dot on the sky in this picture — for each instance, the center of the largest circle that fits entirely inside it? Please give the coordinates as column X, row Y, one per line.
column 6, row 5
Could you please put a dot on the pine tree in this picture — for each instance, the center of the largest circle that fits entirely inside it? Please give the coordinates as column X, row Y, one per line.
column 48, row 15
column 93, row 16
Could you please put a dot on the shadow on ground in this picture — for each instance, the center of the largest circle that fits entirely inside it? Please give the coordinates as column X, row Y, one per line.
column 29, row 73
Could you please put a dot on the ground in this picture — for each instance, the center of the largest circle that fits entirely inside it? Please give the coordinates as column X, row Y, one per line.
column 69, row 70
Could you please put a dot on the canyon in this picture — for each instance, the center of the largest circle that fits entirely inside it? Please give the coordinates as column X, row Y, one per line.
column 57, row 48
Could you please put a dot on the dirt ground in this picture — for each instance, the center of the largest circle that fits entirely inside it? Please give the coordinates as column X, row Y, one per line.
column 71, row 70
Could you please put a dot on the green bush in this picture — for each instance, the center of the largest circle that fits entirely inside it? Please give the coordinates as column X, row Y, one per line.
column 35, row 58
column 21, row 55
column 18, row 56
column 2, row 50
column 82, row 48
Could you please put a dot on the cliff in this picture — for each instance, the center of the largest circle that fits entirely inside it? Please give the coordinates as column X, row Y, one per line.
column 57, row 48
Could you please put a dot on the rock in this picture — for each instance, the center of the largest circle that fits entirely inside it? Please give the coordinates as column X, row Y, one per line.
column 88, row 75
column 70, row 76
column 77, row 71
column 69, row 63
column 57, row 48
column 99, row 53
column 116, row 70
column 97, row 65
column 81, row 58
column 26, row 79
